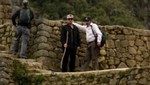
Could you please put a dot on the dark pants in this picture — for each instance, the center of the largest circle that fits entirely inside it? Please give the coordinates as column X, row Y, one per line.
column 91, row 55
column 69, row 58
column 23, row 33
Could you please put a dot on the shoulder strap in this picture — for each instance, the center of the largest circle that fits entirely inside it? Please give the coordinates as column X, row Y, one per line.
column 93, row 31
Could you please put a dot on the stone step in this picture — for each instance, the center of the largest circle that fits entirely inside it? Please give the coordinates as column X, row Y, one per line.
column 31, row 63
column 39, row 71
column 3, row 48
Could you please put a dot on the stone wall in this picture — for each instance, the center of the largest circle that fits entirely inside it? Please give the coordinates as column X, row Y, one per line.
column 6, row 69
column 126, row 47
column 126, row 76
column 5, row 11
column 6, row 33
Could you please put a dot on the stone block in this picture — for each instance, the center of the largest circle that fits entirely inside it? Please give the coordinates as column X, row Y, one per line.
column 6, row 2
column 4, row 81
column 139, row 42
column 33, row 30
column 103, row 52
column 4, row 38
column 131, row 63
column 52, row 23
column 132, row 50
column 41, row 39
column 7, row 34
column 7, row 9
column 7, row 21
column 4, row 42
column 52, row 54
column 40, row 53
column 58, row 23
column 8, row 29
column 2, row 15
column 7, row 15
column 45, row 28
column 43, row 33
column 122, row 65
column 1, row 8
column 44, row 46
column 9, row 40
column 1, row 21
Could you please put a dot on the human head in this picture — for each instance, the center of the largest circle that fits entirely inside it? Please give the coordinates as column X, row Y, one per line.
column 70, row 18
column 88, row 20
column 25, row 3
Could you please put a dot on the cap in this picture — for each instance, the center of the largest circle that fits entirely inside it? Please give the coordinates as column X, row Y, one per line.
column 25, row 1
column 70, row 16
column 88, row 18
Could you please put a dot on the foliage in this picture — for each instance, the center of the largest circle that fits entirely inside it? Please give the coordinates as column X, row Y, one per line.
column 131, row 13
column 21, row 75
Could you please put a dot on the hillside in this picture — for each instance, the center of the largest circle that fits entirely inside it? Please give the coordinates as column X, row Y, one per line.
column 132, row 13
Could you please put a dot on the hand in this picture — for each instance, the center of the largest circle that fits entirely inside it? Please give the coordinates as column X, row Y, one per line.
column 78, row 47
column 65, row 45
column 98, row 44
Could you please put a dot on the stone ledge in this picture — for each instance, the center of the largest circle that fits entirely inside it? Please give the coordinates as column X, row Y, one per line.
column 122, row 76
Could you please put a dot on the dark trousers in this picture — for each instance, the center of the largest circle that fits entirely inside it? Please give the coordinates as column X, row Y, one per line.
column 69, row 59
column 21, row 32
column 91, row 55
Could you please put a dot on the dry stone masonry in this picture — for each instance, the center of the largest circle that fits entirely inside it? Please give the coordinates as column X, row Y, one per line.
column 126, row 76
column 6, row 33
column 5, row 11
column 6, row 63
column 125, row 47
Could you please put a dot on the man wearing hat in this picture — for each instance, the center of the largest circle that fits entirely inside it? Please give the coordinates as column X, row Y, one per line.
column 93, row 34
column 23, row 25
column 70, row 40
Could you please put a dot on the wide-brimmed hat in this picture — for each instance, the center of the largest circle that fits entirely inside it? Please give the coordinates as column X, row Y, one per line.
column 70, row 16
column 25, row 1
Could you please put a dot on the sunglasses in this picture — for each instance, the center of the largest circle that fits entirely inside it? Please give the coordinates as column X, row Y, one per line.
column 70, row 19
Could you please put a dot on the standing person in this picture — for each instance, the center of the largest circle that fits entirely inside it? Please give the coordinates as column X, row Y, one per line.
column 70, row 40
column 91, row 29
column 23, row 25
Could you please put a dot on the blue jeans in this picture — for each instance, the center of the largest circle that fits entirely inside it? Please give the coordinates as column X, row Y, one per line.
column 23, row 33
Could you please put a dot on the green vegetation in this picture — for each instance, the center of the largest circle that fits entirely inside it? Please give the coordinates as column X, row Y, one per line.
column 21, row 75
column 131, row 13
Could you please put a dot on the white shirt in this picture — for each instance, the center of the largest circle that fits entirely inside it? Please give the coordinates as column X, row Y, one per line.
column 89, row 34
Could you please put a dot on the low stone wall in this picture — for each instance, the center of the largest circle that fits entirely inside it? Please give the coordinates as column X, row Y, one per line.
column 5, row 11
column 125, row 76
column 6, row 69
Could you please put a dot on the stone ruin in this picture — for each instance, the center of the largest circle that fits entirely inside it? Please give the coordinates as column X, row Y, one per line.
column 124, row 60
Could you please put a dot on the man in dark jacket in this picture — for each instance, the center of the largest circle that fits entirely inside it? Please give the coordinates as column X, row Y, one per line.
column 70, row 40
column 23, row 25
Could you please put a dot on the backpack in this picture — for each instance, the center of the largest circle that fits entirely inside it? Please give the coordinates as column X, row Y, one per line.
column 103, row 41
column 24, row 16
